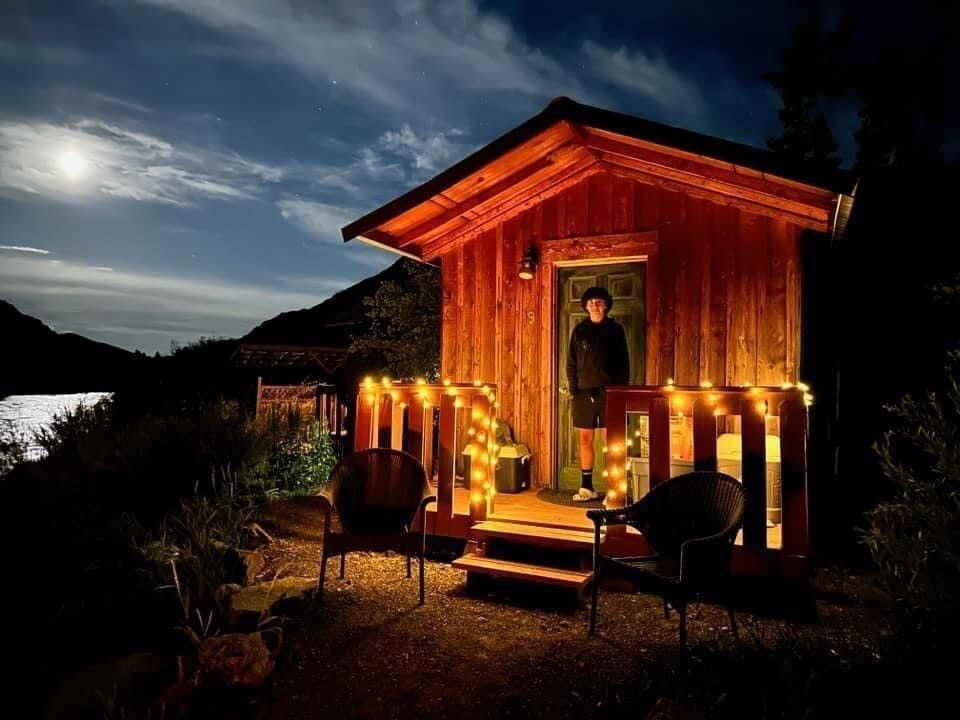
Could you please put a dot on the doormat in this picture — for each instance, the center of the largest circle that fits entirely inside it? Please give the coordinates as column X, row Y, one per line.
column 565, row 497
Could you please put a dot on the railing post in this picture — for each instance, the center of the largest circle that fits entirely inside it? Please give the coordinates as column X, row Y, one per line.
column 659, row 441
column 482, row 483
column 615, row 458
column 366, row 412
column 753, row 471
column 704, row 435
column 793, row 476
column 445, row 475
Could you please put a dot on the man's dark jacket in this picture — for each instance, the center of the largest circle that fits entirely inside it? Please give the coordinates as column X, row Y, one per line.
column 598, row 356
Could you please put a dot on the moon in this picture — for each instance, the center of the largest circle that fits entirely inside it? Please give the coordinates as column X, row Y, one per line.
column 73, row 165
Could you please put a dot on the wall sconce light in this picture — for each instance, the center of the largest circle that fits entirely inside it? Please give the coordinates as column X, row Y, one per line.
column 528, row 265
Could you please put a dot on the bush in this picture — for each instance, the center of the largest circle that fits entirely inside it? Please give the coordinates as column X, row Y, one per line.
column 300, row 457
column 913, row 536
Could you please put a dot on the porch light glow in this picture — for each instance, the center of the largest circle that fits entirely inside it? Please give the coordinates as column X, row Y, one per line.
column 385, row 380
column 368, row 381
column 528, row 265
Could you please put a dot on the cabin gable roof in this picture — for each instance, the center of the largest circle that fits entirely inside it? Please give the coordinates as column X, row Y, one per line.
column 568, row 142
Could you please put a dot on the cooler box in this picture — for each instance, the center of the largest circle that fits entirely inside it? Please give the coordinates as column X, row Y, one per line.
column 513, row 469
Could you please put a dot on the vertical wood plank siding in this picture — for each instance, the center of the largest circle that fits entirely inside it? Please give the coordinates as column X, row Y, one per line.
column 726, row 285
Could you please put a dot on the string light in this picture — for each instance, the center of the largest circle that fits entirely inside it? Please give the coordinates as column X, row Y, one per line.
column 706, row 384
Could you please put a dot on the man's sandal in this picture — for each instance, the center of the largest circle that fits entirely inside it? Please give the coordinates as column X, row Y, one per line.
column 585, row 495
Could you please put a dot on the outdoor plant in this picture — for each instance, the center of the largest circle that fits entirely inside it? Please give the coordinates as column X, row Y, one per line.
column 299, row 459
column 196, row 551
column 913, row 536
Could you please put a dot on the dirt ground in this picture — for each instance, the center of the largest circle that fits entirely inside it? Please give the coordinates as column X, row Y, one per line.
column 368, row 651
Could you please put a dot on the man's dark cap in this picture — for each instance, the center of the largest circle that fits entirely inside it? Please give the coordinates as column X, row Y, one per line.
column 596, row 292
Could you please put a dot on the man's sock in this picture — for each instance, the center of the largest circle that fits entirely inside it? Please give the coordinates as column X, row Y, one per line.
column 586, row 479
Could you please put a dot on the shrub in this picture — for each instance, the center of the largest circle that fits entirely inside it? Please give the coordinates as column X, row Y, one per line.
column 913, row 536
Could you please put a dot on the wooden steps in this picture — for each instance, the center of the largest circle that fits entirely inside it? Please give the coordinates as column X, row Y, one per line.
column 521, row 551
column 540, row 535
column 540, row 574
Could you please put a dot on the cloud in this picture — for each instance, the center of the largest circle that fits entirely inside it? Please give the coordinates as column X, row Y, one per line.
column 397, row 55
column 24, row 249
column 430, row 153
column 91, row 158
column 146, row 310
column 651, row 76
column 318, row 219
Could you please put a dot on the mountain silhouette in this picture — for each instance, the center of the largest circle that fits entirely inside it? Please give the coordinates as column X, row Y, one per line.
column 36, row 359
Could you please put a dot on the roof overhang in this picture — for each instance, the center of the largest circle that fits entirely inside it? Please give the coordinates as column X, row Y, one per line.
column 568, row 142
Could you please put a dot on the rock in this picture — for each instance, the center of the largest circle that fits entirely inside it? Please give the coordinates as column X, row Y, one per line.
column 253, row 564
column 239, row 660
column 246, row 607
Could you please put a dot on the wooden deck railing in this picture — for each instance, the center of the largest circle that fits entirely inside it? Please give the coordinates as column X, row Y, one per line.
column 435, row 423
column 753, row 405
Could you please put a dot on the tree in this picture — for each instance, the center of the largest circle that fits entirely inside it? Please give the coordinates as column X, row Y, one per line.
column 405, row 324
column 813, row 68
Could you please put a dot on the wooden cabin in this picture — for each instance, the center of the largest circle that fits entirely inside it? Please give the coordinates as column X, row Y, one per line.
column 700, row 241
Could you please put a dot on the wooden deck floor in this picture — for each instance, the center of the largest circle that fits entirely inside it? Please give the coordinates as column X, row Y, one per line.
column 527, row 508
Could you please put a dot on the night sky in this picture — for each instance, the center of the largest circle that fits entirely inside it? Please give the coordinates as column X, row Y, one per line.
column 178, row 168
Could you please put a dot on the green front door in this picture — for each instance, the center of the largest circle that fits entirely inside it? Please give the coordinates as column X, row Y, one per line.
column 626, row 283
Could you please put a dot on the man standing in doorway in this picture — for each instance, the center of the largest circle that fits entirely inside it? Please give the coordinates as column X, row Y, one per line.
column 598, row 357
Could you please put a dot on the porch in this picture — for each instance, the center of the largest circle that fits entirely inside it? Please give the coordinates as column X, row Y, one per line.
column 654, row 432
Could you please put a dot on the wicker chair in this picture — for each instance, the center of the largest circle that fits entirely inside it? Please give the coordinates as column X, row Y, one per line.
column 381, row 498
column 690, row 522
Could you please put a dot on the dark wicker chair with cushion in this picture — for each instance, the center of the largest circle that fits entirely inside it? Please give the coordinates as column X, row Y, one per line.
column 690, row 523
column 381, row 498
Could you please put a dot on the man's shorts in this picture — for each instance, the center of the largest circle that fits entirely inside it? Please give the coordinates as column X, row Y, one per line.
column 588, row 409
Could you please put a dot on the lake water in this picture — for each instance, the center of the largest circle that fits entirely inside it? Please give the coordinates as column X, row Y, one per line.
column 23, row 415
